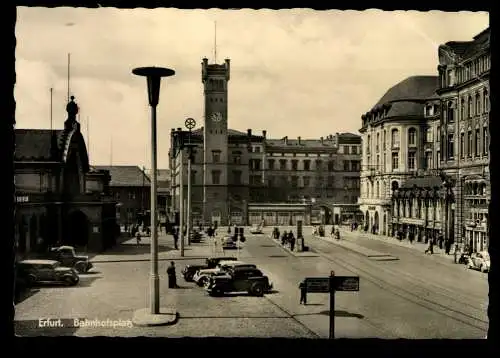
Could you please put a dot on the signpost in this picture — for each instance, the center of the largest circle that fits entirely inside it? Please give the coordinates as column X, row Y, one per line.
column 331, row 285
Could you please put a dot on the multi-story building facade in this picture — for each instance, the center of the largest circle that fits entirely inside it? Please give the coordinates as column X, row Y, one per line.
column 131, row 188
column 464, row 71
column 231, row 169
column 394, row 132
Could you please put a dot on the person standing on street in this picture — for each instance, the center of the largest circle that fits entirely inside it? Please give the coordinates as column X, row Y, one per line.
column 138, row 237
column 175, row 234
column 303, row 292
column 292, row 241
column 172, row 278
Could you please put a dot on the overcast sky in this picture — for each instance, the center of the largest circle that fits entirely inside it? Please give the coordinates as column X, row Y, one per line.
column 293, row 72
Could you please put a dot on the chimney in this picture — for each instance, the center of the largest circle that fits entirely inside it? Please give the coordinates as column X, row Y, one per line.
column 249, row 131
column 264, row 133
column 285, row 139
column 321, row 139
column 299, row 140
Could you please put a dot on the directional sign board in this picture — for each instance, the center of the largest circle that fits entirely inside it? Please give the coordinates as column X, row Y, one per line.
column 347, row 283
column 318, row 284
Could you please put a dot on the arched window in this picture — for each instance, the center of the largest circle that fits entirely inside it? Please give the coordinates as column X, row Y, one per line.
column 367, row 189
column 462, row 109
column 412, row 137
column 486, row 101
column 395, row 138
column 478, row 104
column 450, row 110
column 469, row 107
column 378, row 189
column 368, row 144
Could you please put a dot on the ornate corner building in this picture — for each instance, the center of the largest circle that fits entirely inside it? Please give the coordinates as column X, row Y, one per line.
column 425, row 162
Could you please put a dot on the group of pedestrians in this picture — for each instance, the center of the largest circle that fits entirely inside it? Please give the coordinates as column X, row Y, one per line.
column 287, row 238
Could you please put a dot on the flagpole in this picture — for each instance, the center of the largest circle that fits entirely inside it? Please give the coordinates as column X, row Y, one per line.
column 69, row 61
column 88, row 138
column 51, row 95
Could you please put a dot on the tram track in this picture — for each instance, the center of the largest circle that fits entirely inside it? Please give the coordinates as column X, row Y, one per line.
column 421, row 296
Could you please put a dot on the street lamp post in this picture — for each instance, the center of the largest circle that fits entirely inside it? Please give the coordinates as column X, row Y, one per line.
column 153, row 76
column 190, row 123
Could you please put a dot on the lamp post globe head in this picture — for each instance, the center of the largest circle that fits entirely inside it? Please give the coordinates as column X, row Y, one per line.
column 153, row 76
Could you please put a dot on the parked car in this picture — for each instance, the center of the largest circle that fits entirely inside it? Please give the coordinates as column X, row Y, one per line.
column 479, row 261
column 256, row 229
column 67, row 256
column 46, row 271
column 195, row 236
column 202, row 277
column 189, row 271
column 212, row 262
column 238, row 279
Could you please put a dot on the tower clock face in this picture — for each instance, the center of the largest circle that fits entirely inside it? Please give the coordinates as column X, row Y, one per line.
column 216, row 117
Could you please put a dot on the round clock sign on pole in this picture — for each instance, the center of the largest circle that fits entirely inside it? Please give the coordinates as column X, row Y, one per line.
column 190, row 123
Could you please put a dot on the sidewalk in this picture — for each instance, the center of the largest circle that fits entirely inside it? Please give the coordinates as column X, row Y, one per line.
column 418, row 246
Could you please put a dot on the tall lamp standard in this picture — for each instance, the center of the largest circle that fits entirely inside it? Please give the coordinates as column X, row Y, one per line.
column 190, row 123
column 153, row 76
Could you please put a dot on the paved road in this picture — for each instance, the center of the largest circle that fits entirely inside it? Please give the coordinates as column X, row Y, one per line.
column 415, row 297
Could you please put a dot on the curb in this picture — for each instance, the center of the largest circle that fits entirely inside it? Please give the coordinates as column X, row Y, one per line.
column 166, row 317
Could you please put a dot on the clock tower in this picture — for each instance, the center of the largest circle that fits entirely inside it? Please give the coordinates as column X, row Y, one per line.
column 215, row 79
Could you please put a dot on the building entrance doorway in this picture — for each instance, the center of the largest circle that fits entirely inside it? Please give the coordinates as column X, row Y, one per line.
column 77, row 229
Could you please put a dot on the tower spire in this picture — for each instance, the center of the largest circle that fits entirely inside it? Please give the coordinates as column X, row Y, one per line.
column 215, row 41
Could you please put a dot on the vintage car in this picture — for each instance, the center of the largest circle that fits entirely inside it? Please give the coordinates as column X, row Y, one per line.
column 256, row 229
column 202, row 277
column 189, row 271
column 195, row 236
column 212, row 262
column 239, row 279
column 33, row 272
column 479, row 261
column 67, row 256
column 228, row 243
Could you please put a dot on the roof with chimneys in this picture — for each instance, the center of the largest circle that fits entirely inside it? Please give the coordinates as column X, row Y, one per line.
column 125, row 175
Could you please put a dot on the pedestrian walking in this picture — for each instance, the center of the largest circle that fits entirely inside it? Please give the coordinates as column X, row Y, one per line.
column 284, row 237
column 447, row 247
column 172, row 278
column 303, row 292
column 430, row 248
column 138, row 237
column 175, row 234
column 337, row 234
column 292, row 241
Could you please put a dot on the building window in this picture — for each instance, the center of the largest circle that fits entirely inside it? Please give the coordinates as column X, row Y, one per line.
column 193, row 177
column 428, row 135
column 295, row 181
column 478, row 104
column 282, row 164
column 331, row 182
column 131, row 196
column 377, row 145
column 355, row 165
column 307, row 181
column 237, row 157
column 215, row 156
column 462, row 109
column 486, row 101
column 215, row 176
column 257, row 150
column 462, row 145
column 438, row 157
column 485, row 141
column 368, row 144
column 354, row 149
column 295, row 164
column 319, row 165
column 451, row 112
column 428, row 160
column 307, row 165
column 428, row 110
column 469, row 143
column 331, row 166
column 395, row 161
column 478, row 142
column 395, row 138
column 270, row 164
column 383, row 140
column 450, row 146
column 378, row 162
column 469, row 107
column 346, row 166
column 411, row 161
column 346, row 149
column 236, row 177
column 412, row 137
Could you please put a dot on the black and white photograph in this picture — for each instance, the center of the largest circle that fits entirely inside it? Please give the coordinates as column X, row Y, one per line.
column 249, row 173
